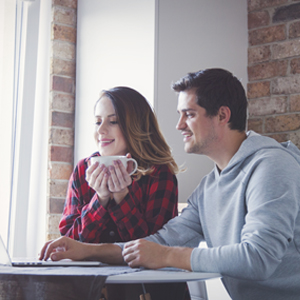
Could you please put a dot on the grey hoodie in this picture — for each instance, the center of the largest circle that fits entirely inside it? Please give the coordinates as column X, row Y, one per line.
column 249, row 216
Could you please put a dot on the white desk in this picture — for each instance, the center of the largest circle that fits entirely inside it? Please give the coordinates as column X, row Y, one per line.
column 160, row 276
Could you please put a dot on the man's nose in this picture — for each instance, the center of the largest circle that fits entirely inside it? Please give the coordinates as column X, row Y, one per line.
column 180, row 124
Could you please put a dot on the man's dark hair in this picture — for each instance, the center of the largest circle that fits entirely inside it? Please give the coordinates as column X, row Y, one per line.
column 216, row 88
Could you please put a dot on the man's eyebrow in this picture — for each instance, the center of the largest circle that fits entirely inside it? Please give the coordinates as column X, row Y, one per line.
column 186, row 109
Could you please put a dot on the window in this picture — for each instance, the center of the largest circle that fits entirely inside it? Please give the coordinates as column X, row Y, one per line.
column 25, row 76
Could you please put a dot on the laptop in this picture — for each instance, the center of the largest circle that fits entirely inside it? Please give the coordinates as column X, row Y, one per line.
column 7, row 261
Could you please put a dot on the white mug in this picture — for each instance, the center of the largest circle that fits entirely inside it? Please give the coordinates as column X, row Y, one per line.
column 108, row 161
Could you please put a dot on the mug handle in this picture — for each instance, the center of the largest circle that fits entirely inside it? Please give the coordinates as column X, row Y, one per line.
column 135, row 164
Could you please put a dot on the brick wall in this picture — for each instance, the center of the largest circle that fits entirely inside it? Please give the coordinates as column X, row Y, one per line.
column 61, row 108
column 274, row 68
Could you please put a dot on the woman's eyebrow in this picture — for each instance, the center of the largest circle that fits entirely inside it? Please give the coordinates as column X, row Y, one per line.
column 109, row 116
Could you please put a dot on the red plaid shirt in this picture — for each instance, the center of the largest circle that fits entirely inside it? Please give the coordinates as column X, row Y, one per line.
column 150, row 203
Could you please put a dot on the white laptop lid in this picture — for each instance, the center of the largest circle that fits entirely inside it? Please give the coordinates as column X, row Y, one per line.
column 6, row 261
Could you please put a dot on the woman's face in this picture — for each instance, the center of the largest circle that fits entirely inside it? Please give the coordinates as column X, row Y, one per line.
column 108, row 136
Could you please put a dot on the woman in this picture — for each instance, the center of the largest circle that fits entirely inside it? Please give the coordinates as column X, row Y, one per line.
column 106, row 205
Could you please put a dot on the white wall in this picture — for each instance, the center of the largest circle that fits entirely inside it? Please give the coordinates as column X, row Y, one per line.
column 194, row 35
column 115, row 46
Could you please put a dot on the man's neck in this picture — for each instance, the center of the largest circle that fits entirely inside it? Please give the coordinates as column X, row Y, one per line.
column 228, row 145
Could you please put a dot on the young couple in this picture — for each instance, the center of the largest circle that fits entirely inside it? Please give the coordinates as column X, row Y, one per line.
column 246, row 208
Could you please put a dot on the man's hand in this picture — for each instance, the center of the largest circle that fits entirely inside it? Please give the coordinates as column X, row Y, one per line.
column 142, row 253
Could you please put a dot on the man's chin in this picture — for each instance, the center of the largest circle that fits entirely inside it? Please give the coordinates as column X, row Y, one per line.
column 188, row 149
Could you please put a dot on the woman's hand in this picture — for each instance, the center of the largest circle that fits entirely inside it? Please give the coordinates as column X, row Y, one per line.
column 97, row 177
column 64, row 247
column 118, row 181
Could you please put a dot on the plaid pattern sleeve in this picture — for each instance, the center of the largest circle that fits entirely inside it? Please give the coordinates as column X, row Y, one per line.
column 83, row 217
column 151, row 202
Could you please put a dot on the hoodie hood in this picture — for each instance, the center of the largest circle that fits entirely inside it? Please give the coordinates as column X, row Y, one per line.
column 256, row 142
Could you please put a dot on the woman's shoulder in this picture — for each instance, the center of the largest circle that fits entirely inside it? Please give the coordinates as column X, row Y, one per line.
column 162, row 172
column 160, row 168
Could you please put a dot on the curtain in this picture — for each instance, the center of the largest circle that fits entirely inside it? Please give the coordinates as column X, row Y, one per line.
column 29, row 178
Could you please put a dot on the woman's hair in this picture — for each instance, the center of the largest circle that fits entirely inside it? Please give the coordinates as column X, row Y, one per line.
column 140, row 129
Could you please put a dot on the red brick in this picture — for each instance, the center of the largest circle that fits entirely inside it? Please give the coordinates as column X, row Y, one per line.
column 286, row 85
column 60, row 171
column 267, row 106
column 258, row 54
column 286, row 13
column 258, row 19
column 53, row 222
column 255, row 125
column 258, row 89
column 267, row 35
column 259, row 4
column 66, row 3
column 63, row 50
column 62, row 102
column 295, row 138
column 295, row 102
column 295, row 66
column 63, row 84
column 58, row 188
column 267, row 70
column 56, row 205
column 52, row 236
column 64, row 154
column 64, row 15
column 62, row 119
column 63, row 67
column 294, row 30
column 282, row 123
column 61, row 137
column 286, row 49
column 64, row 33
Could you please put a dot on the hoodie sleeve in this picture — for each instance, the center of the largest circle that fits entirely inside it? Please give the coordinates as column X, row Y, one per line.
column 184, row 230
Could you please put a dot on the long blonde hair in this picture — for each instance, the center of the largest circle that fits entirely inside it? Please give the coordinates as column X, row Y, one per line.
column 140, row 129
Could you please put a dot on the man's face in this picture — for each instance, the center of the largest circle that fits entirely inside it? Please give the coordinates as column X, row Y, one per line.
column 198, row 129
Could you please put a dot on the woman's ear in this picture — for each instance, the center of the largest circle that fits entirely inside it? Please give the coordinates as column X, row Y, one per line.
column 224, row 114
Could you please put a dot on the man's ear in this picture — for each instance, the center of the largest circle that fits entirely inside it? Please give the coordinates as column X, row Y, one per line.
column 224, row 114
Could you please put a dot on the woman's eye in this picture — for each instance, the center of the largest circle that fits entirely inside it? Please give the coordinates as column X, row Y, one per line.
column 97, row 123
column 114, row 122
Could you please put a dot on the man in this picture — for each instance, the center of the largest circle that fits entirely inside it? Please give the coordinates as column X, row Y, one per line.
column 246, row 208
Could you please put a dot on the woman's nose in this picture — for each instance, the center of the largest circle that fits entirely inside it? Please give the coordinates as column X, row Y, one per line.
column 102, row 128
